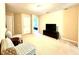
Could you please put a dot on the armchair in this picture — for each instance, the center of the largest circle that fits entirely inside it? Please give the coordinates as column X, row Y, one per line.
column 8, row 48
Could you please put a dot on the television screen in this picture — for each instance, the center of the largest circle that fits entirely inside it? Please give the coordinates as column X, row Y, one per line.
column 51, row 27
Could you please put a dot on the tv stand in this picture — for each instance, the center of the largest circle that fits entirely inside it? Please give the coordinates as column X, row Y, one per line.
column 51, row 34
column 51, row 31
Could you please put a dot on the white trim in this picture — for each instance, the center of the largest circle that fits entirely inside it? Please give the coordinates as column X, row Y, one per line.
column 69, row 40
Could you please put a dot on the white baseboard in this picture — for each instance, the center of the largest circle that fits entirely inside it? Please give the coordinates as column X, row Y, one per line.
column 69, row 40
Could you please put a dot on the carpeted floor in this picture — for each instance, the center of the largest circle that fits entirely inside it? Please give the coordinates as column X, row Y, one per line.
column 49, row 46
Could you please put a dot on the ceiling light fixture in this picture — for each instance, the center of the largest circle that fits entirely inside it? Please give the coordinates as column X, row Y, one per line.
column 38, row 5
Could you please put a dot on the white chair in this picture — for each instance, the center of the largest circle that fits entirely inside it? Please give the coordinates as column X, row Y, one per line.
column 7, row 48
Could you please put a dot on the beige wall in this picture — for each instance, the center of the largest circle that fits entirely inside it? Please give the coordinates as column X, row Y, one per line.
column 9, row 13
column 52, row 18
column 66, row 20
column 17, row 23
column 71, row 23
column 2, row 21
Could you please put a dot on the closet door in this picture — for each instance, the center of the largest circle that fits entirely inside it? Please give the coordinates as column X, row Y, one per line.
column 71, row 24
column 26, row 24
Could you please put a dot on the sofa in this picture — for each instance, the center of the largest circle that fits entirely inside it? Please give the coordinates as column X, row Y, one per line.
column 8, row 48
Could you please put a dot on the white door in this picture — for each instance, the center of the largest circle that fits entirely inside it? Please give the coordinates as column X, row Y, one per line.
column 26, row 24
column 10, row 23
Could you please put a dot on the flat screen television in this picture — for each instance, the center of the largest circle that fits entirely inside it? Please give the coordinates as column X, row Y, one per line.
column 51, row 27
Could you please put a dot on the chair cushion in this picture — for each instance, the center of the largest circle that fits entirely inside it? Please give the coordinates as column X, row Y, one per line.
column 10, row 51
column 6, row 43
column 8, row 34
column 9, row 43
column 25, row 49
column 16, row 40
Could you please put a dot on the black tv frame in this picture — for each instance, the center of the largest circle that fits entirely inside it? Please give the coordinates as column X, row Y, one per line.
column 51, row 27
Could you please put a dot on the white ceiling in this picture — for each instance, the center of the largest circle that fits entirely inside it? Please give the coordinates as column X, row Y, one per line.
column 34, row 8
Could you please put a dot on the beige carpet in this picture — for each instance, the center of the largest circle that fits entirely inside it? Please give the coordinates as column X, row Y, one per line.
column 49, row 46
